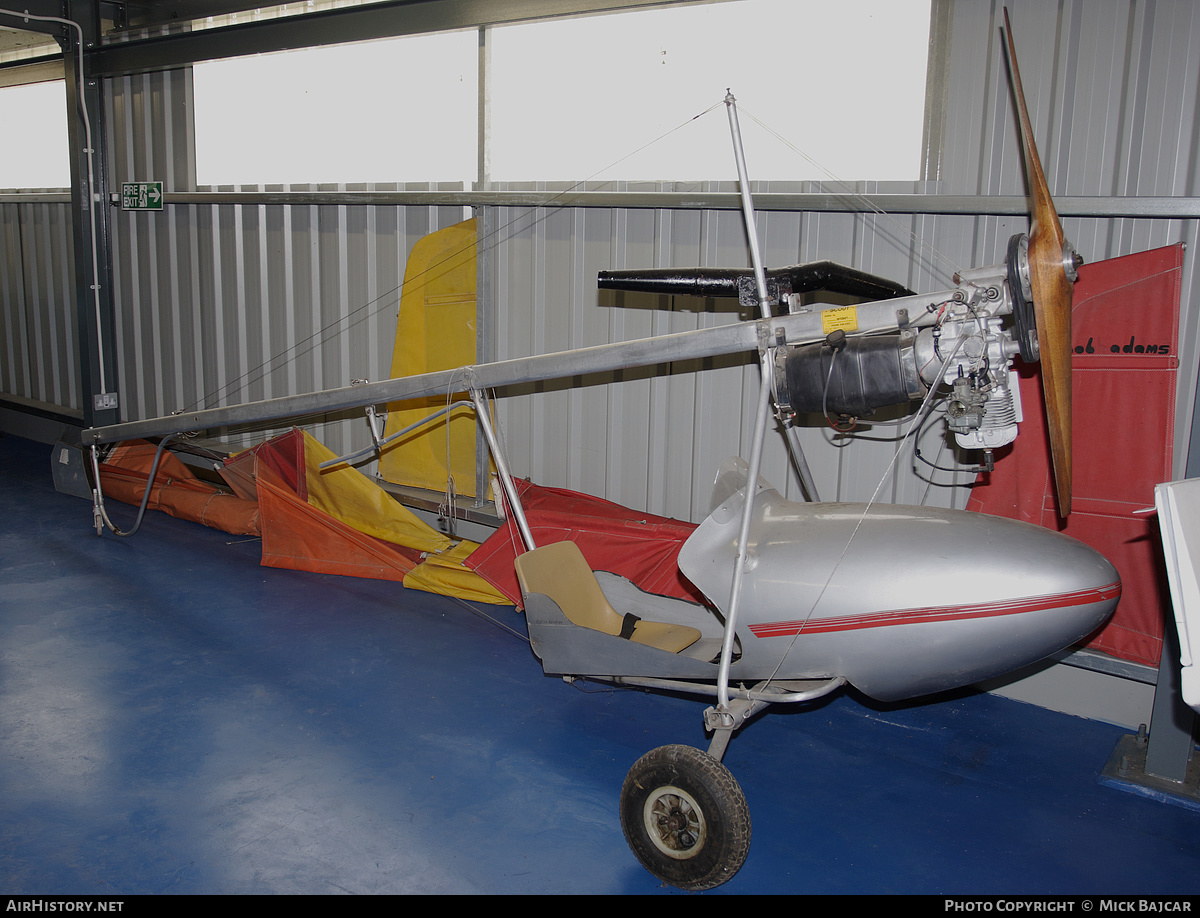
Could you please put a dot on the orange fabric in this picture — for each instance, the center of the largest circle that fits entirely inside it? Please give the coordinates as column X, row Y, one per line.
column 284, row 454
column 294, row 460
column 176, row 489
column 300, row 537
column 338, row 522
column 278, row 495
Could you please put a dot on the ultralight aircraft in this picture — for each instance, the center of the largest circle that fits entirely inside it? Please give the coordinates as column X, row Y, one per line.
column 803, row 598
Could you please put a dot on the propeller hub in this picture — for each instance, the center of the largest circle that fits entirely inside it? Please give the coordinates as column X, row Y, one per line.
column 1072, row 261
column 1018, row 259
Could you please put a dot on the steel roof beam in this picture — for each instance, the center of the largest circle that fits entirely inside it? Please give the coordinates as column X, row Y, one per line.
column 331, row 27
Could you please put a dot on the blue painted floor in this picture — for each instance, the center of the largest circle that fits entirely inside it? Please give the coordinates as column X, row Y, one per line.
column 175, row 718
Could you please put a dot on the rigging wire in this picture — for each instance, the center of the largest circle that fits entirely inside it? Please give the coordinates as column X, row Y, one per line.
column 847, row 194
column 926, row 406
column 512, row 228
column 490, row 619
column 534, row 215
column 540, row 211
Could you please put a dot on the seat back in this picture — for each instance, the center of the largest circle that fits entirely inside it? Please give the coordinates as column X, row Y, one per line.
column 560, row 572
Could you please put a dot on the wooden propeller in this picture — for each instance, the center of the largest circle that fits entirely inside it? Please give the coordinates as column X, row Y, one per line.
column 1050, row 259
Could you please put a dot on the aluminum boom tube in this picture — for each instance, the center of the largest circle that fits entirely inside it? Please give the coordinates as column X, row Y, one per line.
column 726, row 339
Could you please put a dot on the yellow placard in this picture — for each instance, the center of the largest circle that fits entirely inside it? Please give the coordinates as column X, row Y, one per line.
column 844, row 318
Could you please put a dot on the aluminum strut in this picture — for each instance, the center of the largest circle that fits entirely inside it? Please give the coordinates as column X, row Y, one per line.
column 379, row 443
column 483, row 416
column 766, row 363
column 739, row 568
column 760, row 276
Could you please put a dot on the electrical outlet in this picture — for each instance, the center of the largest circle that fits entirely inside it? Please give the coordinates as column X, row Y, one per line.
column 104, row 400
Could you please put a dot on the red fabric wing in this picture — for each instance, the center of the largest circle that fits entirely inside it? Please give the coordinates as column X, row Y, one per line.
column 638, row 546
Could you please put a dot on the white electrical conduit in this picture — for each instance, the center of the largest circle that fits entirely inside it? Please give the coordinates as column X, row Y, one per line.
column 91, row 177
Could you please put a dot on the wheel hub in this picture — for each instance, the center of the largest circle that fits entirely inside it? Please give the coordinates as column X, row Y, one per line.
column 674, row 822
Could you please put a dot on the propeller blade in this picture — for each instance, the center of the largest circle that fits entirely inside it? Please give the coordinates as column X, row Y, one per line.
column 1052, row 289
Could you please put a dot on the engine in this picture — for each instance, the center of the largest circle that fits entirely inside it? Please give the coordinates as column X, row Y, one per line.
column 895, row 349
column 968, row 348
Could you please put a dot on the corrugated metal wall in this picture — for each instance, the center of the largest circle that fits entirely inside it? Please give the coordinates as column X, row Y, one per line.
column 39, row 353
column 226, row 303
column 223, row 303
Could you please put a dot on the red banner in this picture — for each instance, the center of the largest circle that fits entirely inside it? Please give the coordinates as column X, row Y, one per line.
column 1125, row 329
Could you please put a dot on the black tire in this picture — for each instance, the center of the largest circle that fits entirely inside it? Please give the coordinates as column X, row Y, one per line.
column 685, row 817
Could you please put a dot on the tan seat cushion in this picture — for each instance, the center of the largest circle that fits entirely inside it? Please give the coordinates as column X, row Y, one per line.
column 560, row 572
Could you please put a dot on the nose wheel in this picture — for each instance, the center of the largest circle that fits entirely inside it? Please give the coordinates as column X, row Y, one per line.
column 685, row 817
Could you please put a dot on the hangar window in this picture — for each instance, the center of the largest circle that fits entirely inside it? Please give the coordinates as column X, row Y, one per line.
column 36, row 113
column 604, row 97
column 394, row 110
column 819, row 86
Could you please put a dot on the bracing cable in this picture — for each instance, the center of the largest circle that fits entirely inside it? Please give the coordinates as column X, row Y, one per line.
column 926, row 406
column 521, row 223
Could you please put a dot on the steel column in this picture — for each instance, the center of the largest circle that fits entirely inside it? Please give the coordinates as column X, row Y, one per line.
column 87, row 135
column 76, row 27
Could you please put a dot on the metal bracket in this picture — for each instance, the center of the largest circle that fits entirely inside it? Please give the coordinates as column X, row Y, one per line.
column 68, row 467
column 1126, row 770
column 723, row 720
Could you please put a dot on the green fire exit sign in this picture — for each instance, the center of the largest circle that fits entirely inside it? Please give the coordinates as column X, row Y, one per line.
column 141, row 196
